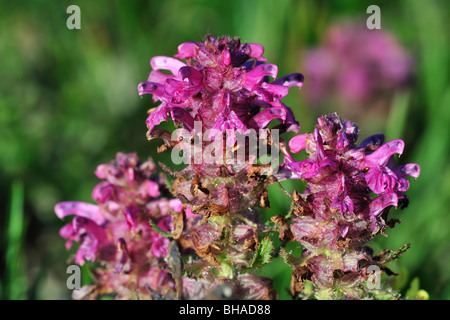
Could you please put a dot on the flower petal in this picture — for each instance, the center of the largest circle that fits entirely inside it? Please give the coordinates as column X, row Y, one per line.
column 375, row 140
column 290, row 80
column 257, row 51
column 80, row 209
column 408, row 170
column 182, row 116
column 166, row 63
column 158, row 77
column 149, row 188
column 151, row 88
column 156, row 117
column 193, row 75
column 382, row 154
column 382, row 202
column 380, row 179
column 263, row 118
column 298, row 143
column 103, row 192
column 257, row 74
column 187, row 50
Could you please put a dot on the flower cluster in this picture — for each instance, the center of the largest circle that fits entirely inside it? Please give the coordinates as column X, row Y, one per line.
column 117, row 233
column 223, row 84
column 202, row 232
column 349, row 191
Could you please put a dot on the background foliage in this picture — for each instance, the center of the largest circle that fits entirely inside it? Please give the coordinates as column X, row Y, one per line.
column 68, row 102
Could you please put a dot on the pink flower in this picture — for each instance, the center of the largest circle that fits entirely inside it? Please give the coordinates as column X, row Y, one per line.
column 355, row 64
column 117, row 233
column 224, row 84
column 349, row 191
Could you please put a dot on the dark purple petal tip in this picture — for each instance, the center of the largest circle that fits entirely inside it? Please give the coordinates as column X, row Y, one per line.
column 375, row 140
column 290, row 80
column 147, row 88
column 408, row 170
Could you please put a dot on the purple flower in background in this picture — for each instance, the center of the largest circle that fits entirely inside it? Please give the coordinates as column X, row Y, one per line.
column 118, row 232
column 355, row 65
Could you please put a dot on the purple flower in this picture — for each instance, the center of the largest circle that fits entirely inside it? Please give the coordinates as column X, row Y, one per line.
column 381, row 175
column 252, row 287
column 91, row 236
column 224, row 84
column 349, row 191
column 227, row 86
column 332, row 151
column 354, row 65
column 117, row 232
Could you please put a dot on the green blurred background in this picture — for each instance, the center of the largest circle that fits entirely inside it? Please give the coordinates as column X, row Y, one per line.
column 68, row 102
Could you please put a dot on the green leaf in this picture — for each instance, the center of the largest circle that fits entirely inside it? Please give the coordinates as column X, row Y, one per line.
column 286, row 256
column 415, row 293
column 195, row 270
column 262, row 253
column 383, row 295
column 413, row 289
column 289, row 259
column 165, row 234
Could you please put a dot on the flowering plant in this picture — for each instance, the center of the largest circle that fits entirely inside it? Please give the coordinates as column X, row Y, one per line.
column 197, row 232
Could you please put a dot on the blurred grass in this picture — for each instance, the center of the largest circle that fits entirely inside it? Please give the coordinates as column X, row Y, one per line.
column 68, row 101
column 426, row 222
column 15, row 280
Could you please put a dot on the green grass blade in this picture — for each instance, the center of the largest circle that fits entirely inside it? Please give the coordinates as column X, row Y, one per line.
column 15, row 280
column 397, row 116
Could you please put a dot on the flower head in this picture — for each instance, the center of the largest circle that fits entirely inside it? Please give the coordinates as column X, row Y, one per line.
column 342, row 174
column 223, row 83
column 117, row 233
column 349, row 191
